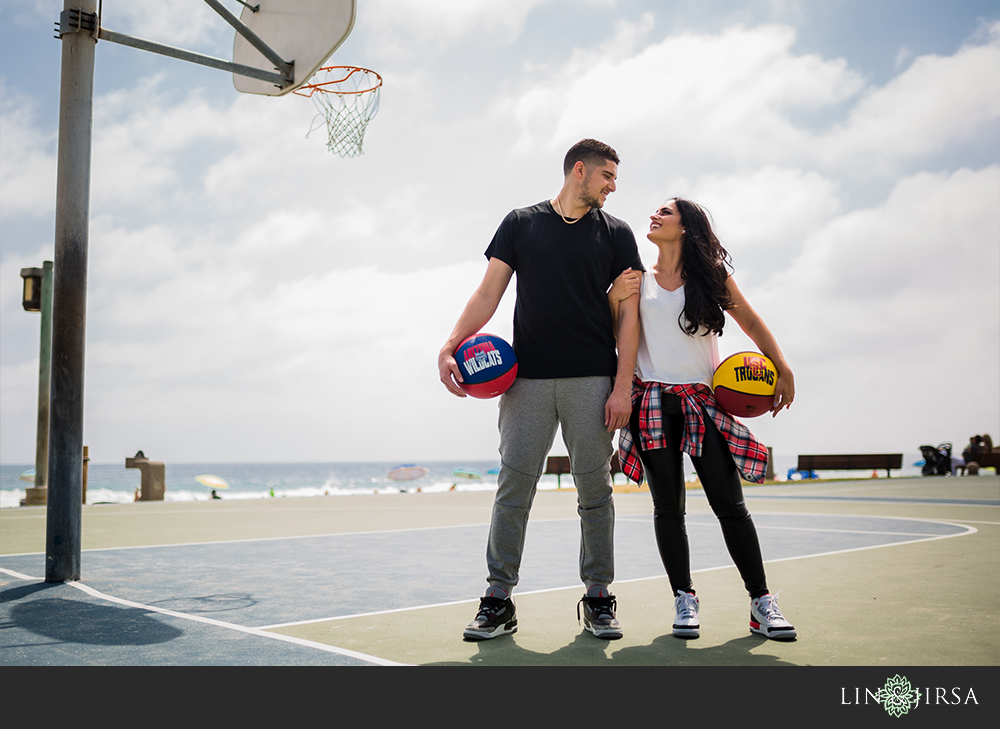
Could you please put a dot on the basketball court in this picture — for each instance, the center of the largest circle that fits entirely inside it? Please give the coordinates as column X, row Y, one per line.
column 888, row 572
column 279, row 48
column 893, row 572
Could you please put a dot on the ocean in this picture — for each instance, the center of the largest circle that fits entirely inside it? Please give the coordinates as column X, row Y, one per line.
column 107, row 483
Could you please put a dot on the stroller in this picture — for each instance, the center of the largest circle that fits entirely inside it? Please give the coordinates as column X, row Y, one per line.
column 937, row 461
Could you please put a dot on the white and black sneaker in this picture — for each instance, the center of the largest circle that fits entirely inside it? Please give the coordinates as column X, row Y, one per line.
column 496, row 617
column 766, row 619
column 599, row 607
column 686, row 618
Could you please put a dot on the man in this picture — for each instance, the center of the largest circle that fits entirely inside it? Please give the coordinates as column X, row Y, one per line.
column 566, row 251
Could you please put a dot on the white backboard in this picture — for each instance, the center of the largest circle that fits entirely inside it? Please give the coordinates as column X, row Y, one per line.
column 304, row 31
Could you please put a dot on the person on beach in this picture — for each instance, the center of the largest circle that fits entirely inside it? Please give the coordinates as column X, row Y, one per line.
column 566, row 252
column 970, row 456
column 682, row 303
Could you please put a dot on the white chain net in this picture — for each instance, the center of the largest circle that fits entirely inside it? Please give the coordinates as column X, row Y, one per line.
column 346, row 103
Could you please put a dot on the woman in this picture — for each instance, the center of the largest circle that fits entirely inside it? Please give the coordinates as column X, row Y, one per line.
column 682, row 305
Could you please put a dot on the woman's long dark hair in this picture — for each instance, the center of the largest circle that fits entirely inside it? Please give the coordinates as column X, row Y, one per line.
column 706, row 266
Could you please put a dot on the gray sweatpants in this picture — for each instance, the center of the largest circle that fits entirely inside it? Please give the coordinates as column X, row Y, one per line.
column 530, row 412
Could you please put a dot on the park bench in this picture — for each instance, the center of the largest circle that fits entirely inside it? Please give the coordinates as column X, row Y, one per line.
column 987, row 460
column 558, row 465
column 852, row 462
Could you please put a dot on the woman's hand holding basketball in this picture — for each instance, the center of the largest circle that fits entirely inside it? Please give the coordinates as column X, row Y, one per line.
column 784, row 392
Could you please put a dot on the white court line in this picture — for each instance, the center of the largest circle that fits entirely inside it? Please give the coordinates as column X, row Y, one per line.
column 278, row 539
column 763, row 527
column 971, row 521
column 627, row 517
column 843, row 531
column 933, row 520
column 881, row 501
column 18, row 575
column 259, row 632
column 924, row 538
column 388, row 612
column 760, row 527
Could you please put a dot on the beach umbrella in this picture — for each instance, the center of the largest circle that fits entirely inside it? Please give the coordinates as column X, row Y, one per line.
column 469, row 473
column 407, row 472
column 213, row 482
column 28, row 476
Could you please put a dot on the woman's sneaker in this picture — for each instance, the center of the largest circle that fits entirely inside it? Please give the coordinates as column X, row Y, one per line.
column 599, row 613
column 496, row 617
column 686, row 618
column 766, row 619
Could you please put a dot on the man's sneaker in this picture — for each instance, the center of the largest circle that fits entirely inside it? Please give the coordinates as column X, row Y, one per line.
column 599, row 614
column 766, row 619
column 686, row 618
column 495, row 618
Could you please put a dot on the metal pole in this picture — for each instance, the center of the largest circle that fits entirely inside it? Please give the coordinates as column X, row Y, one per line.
column 278, row 79
column 287, row 68
column 44, row 366
column 69, row 311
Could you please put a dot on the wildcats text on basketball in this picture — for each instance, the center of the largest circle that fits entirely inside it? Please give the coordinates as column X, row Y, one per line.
column 480, row 357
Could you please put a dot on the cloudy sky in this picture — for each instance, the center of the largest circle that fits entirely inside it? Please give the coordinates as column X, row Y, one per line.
column 253, row 297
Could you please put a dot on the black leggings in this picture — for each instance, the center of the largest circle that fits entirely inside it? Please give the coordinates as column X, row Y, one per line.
column 720, row 480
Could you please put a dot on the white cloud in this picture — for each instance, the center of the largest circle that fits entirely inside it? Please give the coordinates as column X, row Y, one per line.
column 19, row 393
column 935, row 102
column 30, row 11
column 903, row 58
column 768, row 211
column 735, row 96
column 415, row 26
column 936, row 234
column 891, row 318
column 337, row 358
column 762, row 216
column 253, row 297
column 187, row 24
column 139, row 142
column 722, row 95
column 27, row 158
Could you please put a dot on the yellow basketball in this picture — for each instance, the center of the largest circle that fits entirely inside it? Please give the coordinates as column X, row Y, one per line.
column 744, row 384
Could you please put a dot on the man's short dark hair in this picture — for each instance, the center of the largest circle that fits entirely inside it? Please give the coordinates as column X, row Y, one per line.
column 591, row 152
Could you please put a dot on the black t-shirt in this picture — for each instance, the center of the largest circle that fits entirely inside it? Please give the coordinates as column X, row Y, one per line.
column 562, row 321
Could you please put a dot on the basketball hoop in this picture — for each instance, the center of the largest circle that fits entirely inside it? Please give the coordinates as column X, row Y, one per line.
column 347, row 98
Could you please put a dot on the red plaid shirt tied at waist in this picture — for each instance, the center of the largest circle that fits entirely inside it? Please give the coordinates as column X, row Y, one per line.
column 697, row 401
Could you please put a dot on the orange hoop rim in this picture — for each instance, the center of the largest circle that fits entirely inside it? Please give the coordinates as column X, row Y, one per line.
column 311, row 88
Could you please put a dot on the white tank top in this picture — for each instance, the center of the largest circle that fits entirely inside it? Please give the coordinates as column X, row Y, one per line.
column 666, row 353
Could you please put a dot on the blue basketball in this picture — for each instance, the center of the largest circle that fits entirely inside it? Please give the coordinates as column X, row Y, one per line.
column 488, row 365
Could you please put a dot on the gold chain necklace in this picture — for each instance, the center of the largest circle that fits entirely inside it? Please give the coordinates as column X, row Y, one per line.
column 558, row 208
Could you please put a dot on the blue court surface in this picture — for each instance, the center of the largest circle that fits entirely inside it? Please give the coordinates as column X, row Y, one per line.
column 272, row 601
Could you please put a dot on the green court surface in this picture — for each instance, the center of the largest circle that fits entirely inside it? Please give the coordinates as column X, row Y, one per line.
column 874, row 573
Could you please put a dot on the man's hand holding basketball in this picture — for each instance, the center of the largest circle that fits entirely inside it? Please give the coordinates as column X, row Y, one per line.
column 477, row 312
column 450, row 375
